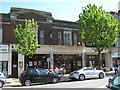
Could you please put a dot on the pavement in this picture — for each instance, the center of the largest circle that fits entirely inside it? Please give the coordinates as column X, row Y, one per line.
column 14, row 82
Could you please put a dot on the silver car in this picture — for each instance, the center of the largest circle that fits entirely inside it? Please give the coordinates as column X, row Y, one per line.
column 87, row 72
column 2, row 79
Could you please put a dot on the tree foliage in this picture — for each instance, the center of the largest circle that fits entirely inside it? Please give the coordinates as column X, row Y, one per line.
column 97, row 28
column 26, row 37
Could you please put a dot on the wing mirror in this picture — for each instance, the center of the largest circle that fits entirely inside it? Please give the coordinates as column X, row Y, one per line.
column 110, row 80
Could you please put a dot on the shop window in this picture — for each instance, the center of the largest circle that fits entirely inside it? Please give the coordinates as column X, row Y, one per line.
column 4, row 67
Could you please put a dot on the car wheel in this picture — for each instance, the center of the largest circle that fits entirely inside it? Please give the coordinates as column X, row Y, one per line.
column 55, row 80
column 1, row 84
column 81, row 77
column 101, row 75
column 27, row 83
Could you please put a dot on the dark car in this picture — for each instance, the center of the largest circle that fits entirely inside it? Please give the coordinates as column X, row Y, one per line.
column 38, row 76
column 114, row 83
column 2, row 80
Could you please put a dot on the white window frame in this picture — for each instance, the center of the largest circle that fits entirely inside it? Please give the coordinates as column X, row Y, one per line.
column 42, row 37
column 67, row 38
column 75, row 38
column 59, row 38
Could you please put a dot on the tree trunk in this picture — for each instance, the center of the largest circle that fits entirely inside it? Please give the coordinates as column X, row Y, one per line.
column 99, row 60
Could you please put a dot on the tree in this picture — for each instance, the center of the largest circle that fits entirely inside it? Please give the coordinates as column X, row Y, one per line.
column 26, row 38
column 97, row 28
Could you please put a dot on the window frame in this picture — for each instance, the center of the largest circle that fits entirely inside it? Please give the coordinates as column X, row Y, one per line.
column 41, row 38
column 67, row 38
column 75, row 38
column 1, row 35
column 59, row 38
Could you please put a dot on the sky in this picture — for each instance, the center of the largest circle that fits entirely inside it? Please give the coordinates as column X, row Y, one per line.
column 68, row 10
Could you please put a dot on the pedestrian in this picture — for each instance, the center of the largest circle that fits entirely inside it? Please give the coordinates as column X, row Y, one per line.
column 56, row 70
column 61, row 71
column 116, row 69
column 64, row 70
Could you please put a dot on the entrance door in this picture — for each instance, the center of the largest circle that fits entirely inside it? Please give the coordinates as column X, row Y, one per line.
column 14, row 64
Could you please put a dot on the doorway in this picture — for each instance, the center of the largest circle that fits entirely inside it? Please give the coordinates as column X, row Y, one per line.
column 14, row 64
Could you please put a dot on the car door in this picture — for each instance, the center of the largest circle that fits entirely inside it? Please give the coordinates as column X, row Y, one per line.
column 43, row 75
column 88, row 72
column 91, row 72
column 33, row 75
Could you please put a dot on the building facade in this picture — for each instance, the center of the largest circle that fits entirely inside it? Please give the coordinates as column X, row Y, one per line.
column 115, row 49
column 58, row 44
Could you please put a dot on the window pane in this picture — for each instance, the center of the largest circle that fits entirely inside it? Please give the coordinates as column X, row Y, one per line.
column 67, row 38
column 1, row 35
column 41, row 38
column 59, row 38
column 75, row 39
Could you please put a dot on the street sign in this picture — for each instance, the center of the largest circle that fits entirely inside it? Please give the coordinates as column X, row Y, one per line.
column 49, row 59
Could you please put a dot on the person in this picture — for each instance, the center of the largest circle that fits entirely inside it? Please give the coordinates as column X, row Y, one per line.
column 62, row 71
column 116, row 69
column 56, row 70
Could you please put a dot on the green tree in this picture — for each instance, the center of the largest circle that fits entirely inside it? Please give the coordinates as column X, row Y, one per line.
column 26, row 37
column 97, row 28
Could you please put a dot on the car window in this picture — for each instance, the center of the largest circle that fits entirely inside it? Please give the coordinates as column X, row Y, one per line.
column 32, row 72
column 88, row 69
column 1, row 75
column 116, row 81
column 42, row 72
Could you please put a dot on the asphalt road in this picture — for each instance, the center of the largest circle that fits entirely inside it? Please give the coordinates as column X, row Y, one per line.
column 92, row 83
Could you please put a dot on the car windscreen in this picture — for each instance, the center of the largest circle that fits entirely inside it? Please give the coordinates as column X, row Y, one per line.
column 1, row 75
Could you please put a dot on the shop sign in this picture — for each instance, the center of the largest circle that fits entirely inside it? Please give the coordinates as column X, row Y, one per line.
column 49, row 59
column 3, row 48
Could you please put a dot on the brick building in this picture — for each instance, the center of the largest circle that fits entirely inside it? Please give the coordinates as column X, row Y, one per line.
column 58, row 43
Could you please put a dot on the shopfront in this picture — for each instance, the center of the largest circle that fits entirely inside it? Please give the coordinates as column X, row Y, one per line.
column 36, row 61
column 4, row 59
column 71, row 62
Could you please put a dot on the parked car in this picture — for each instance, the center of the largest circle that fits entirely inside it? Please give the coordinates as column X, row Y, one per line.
column 2, row 79
column 38, row 76
column 114, row 83
column 87, row 72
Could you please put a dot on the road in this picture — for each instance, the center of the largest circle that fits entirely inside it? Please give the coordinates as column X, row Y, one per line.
column 92, row 83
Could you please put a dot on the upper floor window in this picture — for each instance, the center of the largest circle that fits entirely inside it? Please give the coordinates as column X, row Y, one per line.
column 13, row 17
column 1, row 35
column 50, row 21
column 59, row 38
column 41, row 38
column 75, row 39
column 67, row 38
column 118, row 42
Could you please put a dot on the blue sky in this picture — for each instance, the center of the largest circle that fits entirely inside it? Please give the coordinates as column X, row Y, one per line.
column 61, row 9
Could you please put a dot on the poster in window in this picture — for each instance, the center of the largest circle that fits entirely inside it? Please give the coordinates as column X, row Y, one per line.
column 39, row 62
column 35, row 63
column 78, row 63
column 30, row 64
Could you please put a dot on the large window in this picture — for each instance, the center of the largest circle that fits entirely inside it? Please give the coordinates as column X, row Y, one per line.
column 67, row 38
column 1, row 35
column 59, row 38
column 41, row 38
column 118, row 42
column 75, row 39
